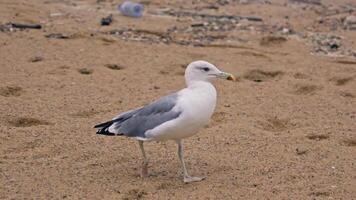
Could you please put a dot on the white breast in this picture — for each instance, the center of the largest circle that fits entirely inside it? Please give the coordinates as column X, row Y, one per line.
column 197, row 103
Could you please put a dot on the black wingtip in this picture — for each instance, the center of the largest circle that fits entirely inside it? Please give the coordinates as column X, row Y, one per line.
column 103, row 128
column 105, row 124
column 107, row 133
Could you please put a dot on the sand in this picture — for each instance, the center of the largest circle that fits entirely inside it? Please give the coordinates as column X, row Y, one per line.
column 285, row 130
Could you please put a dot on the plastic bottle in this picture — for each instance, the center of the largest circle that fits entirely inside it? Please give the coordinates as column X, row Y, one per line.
column 131, row 9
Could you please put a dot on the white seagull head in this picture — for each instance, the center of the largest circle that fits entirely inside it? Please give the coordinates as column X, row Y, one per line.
column 204, row 71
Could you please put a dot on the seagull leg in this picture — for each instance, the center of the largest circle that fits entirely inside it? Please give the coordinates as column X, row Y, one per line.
column 144, row 171
column 187, row 178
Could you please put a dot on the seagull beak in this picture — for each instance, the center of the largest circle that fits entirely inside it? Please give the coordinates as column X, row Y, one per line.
column 226, row 76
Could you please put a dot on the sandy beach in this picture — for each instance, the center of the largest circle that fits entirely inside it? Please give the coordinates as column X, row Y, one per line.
column 286, row 129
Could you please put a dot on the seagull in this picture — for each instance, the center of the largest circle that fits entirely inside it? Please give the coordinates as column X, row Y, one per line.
column 173, row 117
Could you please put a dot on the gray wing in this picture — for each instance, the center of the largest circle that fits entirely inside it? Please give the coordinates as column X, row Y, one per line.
column 135, row 123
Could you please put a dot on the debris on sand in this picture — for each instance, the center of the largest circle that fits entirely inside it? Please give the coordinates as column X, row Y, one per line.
column 85, row 71
column 58, row 36
column 25, row 26
column 223, row 2
column 318, row 137
column 226, row 2
column 5, row 28
column 204, row 29
column 272, row 39
column 326, row 44
column 114, row 66
column 10, row 91
column 346, row 62
column 254, row 2
column 10, row 27
column 313, row 2
column 131, row 9
column 141, row 35
column 330, row 45
column 350, row 22
column 106, row 21
column 206, row 17
column 199, row 38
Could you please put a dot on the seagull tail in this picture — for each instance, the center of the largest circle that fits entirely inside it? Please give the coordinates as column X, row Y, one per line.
column 103, row 128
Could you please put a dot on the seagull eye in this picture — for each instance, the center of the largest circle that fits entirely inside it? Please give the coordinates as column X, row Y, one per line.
column 206, row 69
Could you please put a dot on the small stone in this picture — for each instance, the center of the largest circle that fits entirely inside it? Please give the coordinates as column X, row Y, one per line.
column 285, row 31
column 85, row 71
column 114, row 66
column 36, row 59
column 301, row 150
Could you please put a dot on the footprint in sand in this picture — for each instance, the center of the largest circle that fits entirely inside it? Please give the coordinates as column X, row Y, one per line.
column 135, row 194
column 318, row 137
column 62, row 70
column 339, row 81
column 27, row 122
column 299, row 75
column 350, row 142
column 178, row 70
column 85, row 114
column 275, row 124
column 305, row 89
column 11, row 91
column 346, row 94
column 218, row 118
column 254, row 54
column 258, row 75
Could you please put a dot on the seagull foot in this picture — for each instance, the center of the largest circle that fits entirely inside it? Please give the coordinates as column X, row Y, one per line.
column 190, row 179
